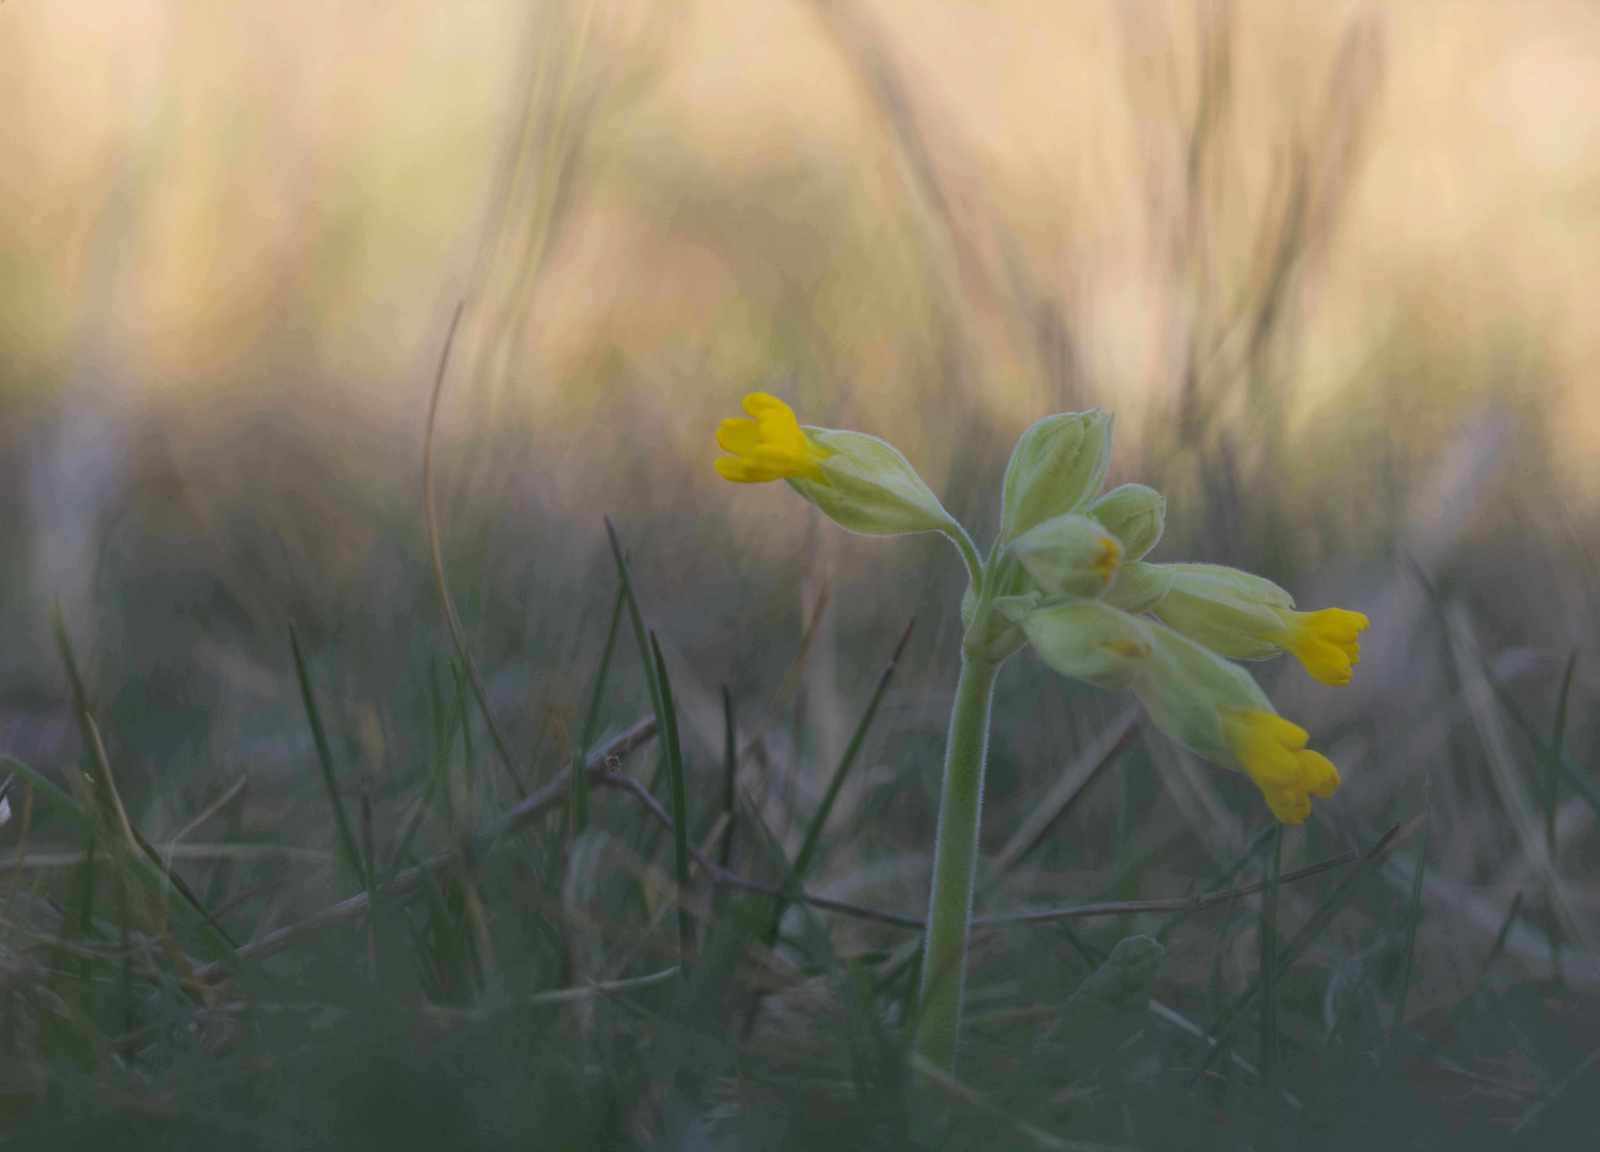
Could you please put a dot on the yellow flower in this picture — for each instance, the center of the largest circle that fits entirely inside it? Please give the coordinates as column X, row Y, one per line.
column 1326, row 642
column 772, row 446
column 1273, row 751
column 1246, row 617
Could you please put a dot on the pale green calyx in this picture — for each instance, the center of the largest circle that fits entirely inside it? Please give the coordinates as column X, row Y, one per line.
column 1245, row 617
column 865, row 485
column 1069, row 555
column 1135, row 514
column 1087, row 640
column 1234, row 613
column 1188, row 689
column 1057, row 466
column 1139, row 586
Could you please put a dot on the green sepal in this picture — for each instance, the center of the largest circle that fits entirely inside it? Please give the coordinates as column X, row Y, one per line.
column 1086, row 640
column 1236, row 614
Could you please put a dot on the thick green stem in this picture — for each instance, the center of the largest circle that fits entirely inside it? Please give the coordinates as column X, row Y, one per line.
column 955, row 860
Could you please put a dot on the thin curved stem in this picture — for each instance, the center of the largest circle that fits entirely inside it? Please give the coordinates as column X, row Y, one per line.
column 431, row 520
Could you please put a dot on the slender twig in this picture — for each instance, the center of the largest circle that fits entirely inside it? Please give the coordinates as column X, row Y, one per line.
column 526, row 811
column 571, row 995
column 431, row 522
column 1035, row 1137
column 1180, row 903
column 602, row 773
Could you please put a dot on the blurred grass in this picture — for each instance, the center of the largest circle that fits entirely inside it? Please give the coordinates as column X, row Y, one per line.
column 1227, row 247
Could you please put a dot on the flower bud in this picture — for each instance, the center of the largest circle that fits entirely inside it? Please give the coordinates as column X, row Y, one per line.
column 1057, row 466
column 1134, row 514
column 1085, row 640
column 1069, row 555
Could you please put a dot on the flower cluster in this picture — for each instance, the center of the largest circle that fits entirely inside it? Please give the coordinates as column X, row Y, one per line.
column 1068, row 577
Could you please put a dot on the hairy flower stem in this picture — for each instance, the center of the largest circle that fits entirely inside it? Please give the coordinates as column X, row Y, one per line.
column 955, row 860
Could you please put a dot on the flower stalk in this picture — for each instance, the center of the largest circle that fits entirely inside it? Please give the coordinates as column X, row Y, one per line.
column 955, row 864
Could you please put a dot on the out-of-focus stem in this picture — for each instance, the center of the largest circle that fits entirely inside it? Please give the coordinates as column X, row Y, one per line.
column 955, row 859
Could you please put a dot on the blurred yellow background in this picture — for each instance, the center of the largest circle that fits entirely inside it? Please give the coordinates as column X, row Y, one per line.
column 211, row 200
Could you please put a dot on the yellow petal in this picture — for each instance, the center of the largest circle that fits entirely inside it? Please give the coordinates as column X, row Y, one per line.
column 1326, row 642
column 742, row 471
column 1273, row 752
column 770, row 446
column 738, row 436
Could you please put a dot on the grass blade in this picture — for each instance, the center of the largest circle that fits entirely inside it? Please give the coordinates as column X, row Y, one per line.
column 667, row 720
column 1413, row 917
column 1223, row 879
column 430, row 519
column 1500, row 939
column 319, row 738
column 730, row 777
column 1558, row 744
column 46, row 789
column 1555, row 765
column 578, row 816
column 1303, row 939
column 142, row 856
column 1269, row 962
column 819, row 819
column 635, row 616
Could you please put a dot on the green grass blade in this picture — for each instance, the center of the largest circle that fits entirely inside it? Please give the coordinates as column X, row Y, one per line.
column 667, row 719
column 147, row 862
column 1321, row 917
column 409, row 827
column 578, row 816
column 646, row 830
column 1269, row 961
column 1413, row 918
column 1558, row 744
column 469, row 753
column 1500, row 939
column 1223, row 879
column 635, row 616
column 319, row 737
column 1555, row 765
column 46, row 789
column 730, row 776
column 819, row 819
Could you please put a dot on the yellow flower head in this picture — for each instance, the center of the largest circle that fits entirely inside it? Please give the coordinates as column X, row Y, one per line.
column 772, row 446
column 1273, row 751
column 1326, row 642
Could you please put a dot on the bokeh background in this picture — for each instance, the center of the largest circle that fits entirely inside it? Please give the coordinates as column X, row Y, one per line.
column 1331, row 266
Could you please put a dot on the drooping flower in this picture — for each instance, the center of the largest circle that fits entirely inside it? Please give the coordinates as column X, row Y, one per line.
column 1247, row 617
column 1209, row 705
column 858, row 481
column 1068, row 578
column 769, row 446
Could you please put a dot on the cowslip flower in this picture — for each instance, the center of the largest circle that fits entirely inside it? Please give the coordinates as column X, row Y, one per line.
column 860, row 482
column 1067, row 576
column 1246, row 617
